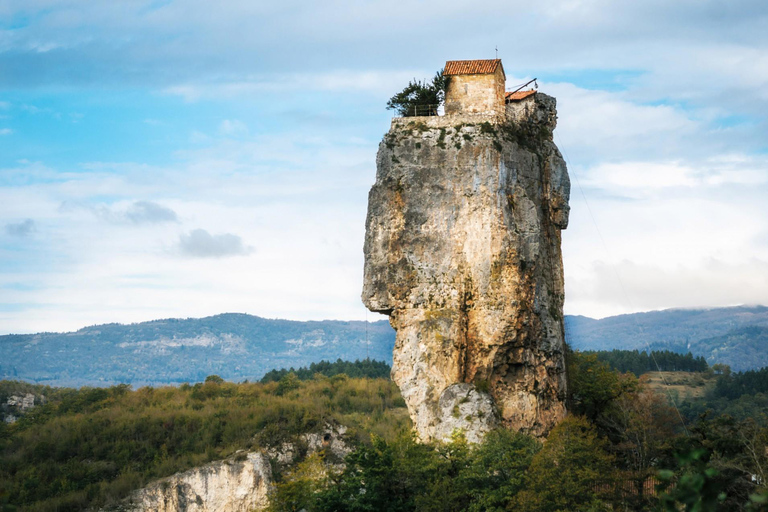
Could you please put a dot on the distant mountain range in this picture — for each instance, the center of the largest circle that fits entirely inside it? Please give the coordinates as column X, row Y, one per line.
column 736, row 336
column 233, row 346
column 238, row 346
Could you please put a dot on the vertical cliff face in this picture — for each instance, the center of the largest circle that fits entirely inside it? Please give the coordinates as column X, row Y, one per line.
column 462, row 251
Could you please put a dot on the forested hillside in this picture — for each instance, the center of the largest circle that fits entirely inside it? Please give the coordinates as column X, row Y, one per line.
column 239, row 347
column 174, row 351
column 93, row 445
column 623, row 447
column 720, row 335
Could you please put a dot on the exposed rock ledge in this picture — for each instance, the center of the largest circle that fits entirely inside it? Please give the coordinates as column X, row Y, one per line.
column 238, row 484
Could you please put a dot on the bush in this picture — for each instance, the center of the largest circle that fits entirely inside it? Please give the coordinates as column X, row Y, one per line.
column 420, row 98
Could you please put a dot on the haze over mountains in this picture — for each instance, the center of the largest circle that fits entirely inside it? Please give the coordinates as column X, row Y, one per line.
column 239, row 346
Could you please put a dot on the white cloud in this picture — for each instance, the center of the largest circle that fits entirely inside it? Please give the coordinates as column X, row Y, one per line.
column 671, row 158
column 627, row 286
column 379, row 83
column 643, row 177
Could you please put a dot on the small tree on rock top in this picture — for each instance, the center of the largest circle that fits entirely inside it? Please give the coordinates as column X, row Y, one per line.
column 420, row 98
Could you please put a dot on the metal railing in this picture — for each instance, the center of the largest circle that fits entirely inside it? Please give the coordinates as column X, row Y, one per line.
column 421, row 110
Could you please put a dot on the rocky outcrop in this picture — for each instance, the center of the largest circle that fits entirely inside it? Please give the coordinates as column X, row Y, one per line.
column 18, row 405
column 330, row 439
column 462, row 251
column 239, row 484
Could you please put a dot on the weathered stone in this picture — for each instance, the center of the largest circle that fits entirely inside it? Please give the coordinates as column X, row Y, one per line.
column 474, row 93
column 331, row 439
column 239, row 484
column 462, row 251
column 17, row 406
column 463, row 408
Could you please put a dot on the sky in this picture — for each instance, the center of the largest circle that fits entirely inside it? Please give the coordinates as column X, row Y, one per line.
column 163, row 158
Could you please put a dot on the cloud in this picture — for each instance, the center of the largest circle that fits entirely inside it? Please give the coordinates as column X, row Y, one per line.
column 637, row 177
column 138, row 212
column 671, row 156
column 21, row 229
column 147, row 212
column 5, row 131
column 377, row 82
column 199, row 243
column 628, row 286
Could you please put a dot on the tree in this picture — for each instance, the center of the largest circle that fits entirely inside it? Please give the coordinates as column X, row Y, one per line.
column 299, row 490
column 420, row 98
column 573, row 471
column 497, row 470
column 594, row 385
column 696, row 488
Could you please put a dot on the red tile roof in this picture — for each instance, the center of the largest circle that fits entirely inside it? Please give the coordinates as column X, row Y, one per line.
column 519, row 95
column 472, row 67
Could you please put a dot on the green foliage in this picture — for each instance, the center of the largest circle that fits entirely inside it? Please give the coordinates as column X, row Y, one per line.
column 420, row 98
column 90, row 447
column 695, row 489
column 734, row 385
column 405, row 475
column 640, row 362
column 367, row 368
column 573, row 471
column 497, row 469
column 593, row 386
column 737, row 336
column 300, row 489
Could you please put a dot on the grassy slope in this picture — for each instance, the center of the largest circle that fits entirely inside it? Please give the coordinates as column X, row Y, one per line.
column 92, row 446
column 682, row 385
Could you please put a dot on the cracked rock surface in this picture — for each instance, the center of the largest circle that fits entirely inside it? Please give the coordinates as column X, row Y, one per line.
column 462, row 251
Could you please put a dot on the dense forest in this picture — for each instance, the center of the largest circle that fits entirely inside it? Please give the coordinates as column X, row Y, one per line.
column 367, row 368
column 640, row 362
column 93, row 445
column 735, row 385
column 623, row 447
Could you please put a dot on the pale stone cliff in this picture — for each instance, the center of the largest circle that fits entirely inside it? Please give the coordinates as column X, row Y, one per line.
column 17, row 406
column 240, row 484
column 462, row 251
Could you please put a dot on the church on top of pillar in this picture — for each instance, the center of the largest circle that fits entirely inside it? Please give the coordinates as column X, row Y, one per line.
column 478, row 87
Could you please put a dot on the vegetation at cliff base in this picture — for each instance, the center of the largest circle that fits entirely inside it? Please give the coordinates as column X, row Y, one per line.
column 623, row 446
column 92, row 446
